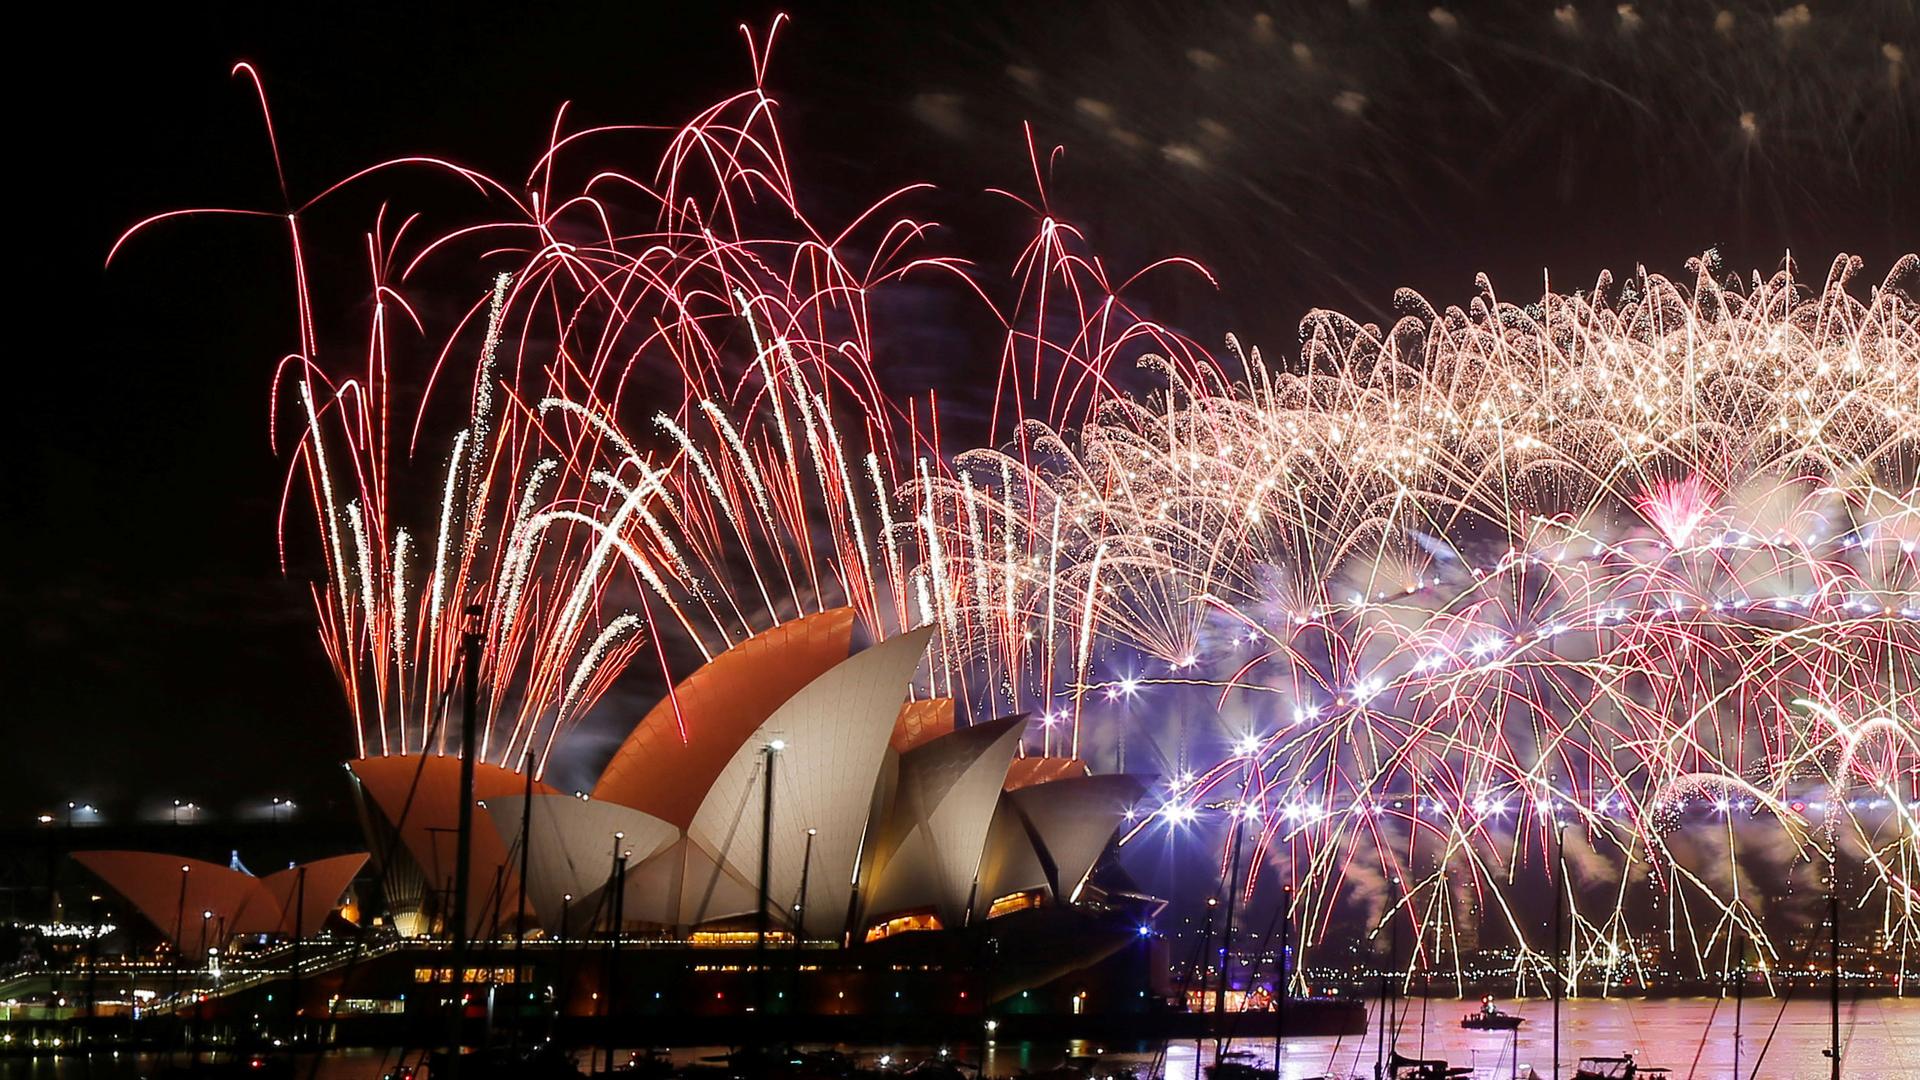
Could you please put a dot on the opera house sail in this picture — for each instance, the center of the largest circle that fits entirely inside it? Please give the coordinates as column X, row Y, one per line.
column 885, row 833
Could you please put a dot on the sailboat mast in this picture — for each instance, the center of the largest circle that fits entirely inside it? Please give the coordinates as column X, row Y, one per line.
column 1739, row 999
column 1559, row 918
column 1833, row 955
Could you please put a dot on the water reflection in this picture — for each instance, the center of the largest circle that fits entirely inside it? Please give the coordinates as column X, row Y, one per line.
column 1880, row 1038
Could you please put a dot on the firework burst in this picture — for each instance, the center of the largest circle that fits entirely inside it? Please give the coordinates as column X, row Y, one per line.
column 1491, row 589
column 1608, row 561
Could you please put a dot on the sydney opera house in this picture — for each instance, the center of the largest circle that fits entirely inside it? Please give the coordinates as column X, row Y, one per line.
column 907, row 861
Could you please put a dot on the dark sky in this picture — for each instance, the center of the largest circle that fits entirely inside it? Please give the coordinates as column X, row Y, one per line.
column 1323, row 154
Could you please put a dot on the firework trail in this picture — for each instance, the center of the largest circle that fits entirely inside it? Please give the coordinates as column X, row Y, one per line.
column 1631, row 559
column 395, row 599
column 1613, row 561
column 670, row 422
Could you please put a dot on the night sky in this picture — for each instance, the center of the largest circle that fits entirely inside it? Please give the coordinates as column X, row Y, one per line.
column 157, row 651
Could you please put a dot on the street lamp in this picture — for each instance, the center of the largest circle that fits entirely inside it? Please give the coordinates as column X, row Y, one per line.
column 806, row 867
column 53, row 871
column 762, row 917
column 610, row 981
column 280, row 819
column 93, row 968
column 561, row 995
column 199, row 998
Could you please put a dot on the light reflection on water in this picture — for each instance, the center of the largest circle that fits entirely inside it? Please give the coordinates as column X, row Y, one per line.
column 1880, row 1039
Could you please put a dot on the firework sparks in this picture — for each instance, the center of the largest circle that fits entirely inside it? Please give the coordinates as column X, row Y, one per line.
column 1607, row 564
column 1495, row 569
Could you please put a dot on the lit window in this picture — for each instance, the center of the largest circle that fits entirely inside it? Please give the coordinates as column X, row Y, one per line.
column 1012, row 902
column 920, row 919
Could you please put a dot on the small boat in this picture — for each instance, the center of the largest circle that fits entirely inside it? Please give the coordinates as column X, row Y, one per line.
column 1095, row 1067
column 935, row 1070
column 1616, row 1068
column 248, row 1065
column 1058, row 1072
column 1490, row 1018
column 544, row 1061
column 1401, row 1067
column 1237, row 1065
column 752, row 1063
column 650, row 1064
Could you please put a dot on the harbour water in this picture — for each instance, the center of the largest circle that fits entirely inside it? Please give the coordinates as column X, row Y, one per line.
column 1880, row 1040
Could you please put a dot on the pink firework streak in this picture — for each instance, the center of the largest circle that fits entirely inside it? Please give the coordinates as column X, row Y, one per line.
column 671, row 421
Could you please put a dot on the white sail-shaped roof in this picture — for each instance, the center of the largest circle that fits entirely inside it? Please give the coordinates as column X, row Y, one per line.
column 1074, row 819
column 835, row 734
column 931, row 846
column 1009, row 863
column 573, row 849
column 685, row 885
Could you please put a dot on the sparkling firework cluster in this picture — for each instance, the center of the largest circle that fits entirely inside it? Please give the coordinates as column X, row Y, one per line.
column 669, row 423
column 1635, row 567
column 1607, row 562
